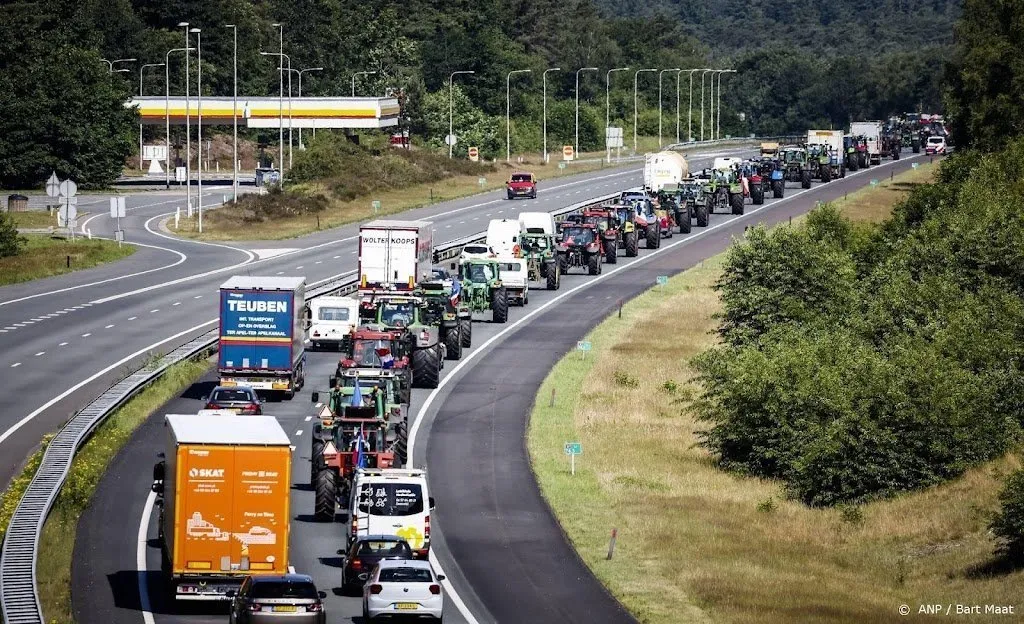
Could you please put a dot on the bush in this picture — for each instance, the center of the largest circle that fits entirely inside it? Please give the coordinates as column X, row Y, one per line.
column 11, row 242
column 1008, row 524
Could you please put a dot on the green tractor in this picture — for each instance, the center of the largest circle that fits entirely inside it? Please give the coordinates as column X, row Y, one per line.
column 538, row 249
column 795, row 164
column 443, row 297
column 690, row 192
column 819, row 162
column 724, row 191
column 481, row 287
column 414, row 315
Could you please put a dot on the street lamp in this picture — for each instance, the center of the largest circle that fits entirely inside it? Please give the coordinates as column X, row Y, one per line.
column 576, row 146
column 704, row 71
column 167, row 109
column 188, row 124
column 300, row 72
column 689, row 111
column 636, row 77
column 508, row 111
column 724, row 71
column 661, row 75
column 234, row 116
column 110, row 64
column 280, row 102
column 282, row 68
column 361, row 73
column 140, row 95
column 545, row 99
column 608, row 108
column 451, row 108
column 199, row 126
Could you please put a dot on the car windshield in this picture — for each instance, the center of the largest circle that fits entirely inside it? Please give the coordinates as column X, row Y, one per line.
column 600, row 221
column 520, row 177
column 512, row 267
column 300, row 590
column 364, row 351
column 406, row 575
column 384, row 548
column 231, row 395
column 333, row 314
column 935, row 140
column 391, row 499
column 578, row 235
column 479, row 273
column 793, row 156
column 395, row 314
column 536, row 242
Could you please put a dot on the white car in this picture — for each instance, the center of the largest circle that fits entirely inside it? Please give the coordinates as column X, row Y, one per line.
column 515, row 278
column 331, row 319
column 476, row 250
column 935, row 145
column 402, row 587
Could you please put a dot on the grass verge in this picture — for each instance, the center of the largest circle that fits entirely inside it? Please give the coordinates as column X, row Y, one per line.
column 43, row 256
column 57, row 541
column 36, row 218
column 697, row 544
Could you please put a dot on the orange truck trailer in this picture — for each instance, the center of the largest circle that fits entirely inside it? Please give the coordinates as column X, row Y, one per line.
column 224, row 485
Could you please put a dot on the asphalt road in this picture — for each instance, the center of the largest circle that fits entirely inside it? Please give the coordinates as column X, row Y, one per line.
column 505, row 556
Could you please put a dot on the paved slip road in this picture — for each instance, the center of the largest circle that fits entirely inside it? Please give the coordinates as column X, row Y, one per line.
column 505, row 556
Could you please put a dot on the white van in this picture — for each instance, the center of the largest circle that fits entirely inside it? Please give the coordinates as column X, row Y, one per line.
column 537, row 222
column 503, row 236
column 515, row 278
column 392, row 501
column 331, row 319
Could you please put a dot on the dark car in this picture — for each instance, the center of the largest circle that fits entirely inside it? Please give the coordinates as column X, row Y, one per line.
column 286, row 598
column 239, row 399
column 365, row 553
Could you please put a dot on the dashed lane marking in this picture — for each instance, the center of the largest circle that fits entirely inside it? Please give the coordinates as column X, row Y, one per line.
column 109, row 326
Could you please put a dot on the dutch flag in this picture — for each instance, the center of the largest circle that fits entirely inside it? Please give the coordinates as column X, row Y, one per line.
column 386, row 359
column 456, row 292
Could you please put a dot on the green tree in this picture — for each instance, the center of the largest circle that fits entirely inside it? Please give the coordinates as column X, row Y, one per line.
column 10, row 241
column 1008, row 524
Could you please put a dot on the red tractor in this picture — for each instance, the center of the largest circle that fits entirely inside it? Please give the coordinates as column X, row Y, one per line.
column 580, row 246
column 609, row 229
column 376, row 348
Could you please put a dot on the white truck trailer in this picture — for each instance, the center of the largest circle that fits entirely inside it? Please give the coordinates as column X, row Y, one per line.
column 395, row 254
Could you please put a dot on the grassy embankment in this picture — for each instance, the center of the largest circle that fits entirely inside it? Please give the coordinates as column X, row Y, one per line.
column 698, row 544
column 57, row 542
column 45, row 256
column 294, row 218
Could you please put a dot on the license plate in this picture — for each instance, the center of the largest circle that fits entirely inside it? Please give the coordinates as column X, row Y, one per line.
column 285, row 609
column 236, row 410
column 406, row 606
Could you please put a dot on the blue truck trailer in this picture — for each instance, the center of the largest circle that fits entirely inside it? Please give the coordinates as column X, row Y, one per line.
column 261, row 333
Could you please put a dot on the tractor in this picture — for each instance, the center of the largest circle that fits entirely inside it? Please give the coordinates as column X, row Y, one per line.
column 481, row 287
column 725, row 191
column 372, row 348
column 538, row 248
column 646, row 221
column 772, row 177
column 610, row 230
column 691, row 193
column 629, row 236
column 750, row 173
column 580, row 246
column 667, row 211
column 860, row 144
column 443, row 296
column 850, row 154
column 414, row 316
column 819, row 162
column 795, row 166
column 670, row 199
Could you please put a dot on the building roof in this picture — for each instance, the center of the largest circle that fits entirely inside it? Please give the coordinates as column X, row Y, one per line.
column 394, row 223
column 248, row 282
column 227, row 430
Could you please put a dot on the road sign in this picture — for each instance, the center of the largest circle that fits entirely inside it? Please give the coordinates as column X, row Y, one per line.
column 376, row 205
column 68, row 212
column 68, row 201
column 179, row 174
column 874, row 182
column 481, row 181
column 154, row 152
column 450, row 139
column 573, row 448
column 567, row 152
column 613, row 137
column 474, row 154
column 68, row 188
column 583, row 345
column 117, row 208
column 561, row 165
column 662, row 280
column 53, row 185
column 915, row 165
column 119, row 236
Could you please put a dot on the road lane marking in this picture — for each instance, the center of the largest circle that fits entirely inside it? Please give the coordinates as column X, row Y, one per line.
column 62, row 344
column 109, row 326
column 154, row 311
column 142, row 543
column 299, row 432
column 40, row 353
column 132, row 318
column 309, row 418
column 86, row 335
column 198, row 297
column 16, row 365
column 177, row 303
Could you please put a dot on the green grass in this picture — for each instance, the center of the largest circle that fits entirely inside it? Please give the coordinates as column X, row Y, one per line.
column 697, row 544
column 36, row 218
column 45, row 256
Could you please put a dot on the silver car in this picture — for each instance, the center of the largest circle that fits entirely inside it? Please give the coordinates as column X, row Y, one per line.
column 284, row 599
column 404, row 588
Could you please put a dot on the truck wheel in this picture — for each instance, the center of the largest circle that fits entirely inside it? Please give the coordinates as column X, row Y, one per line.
column 426, row 367
column 631, row 244
column 552, row 277
column 653, row 237
column 326, row 496
column 778, row 189
column 805, row 180
column 453, row 343
column 315, row 461
column 757, row 195
column 611, row 250
column 510, row 195
column 499, row 305
column 685, row 224
column 736, row 202
column 702, row 215
column 466, row 332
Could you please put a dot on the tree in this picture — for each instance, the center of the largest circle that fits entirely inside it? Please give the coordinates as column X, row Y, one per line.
column 1008, row 524
column 10, row 241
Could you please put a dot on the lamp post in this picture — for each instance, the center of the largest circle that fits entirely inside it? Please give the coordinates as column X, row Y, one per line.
column 702, row 101
column 545, row 106
column 140, row 95
column 636, row 77
column 299, row 72
column 280, row 103
column 360, row 73
column 451, row 107
column 508, row 111
column 689, row 109
column 110, row 64
column 282, row 68
column 576, row 145
column 661, row 75
column 188, row 124
column 608, row 108
column 199, row 126
column 724, row 71
column 167, row 109
column 234, row 116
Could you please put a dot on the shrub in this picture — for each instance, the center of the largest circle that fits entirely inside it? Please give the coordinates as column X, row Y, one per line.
column 626, row 380
column 11, row 242
column 1008, row 524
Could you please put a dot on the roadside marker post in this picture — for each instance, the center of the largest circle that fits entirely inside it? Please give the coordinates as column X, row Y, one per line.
column 662, row 280
column 482, row 182
column 117, row 210
column 915, row 165
column 583, row 346
column 177, row 216
column 611, row 544
column 376, row 206
column 572, row 449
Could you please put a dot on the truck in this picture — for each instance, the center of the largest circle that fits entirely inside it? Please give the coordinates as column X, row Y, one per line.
column 223, row 488
column 833, row 142
column 663, row 168
column 262, row 341
column 395, row 254
column 872, row 131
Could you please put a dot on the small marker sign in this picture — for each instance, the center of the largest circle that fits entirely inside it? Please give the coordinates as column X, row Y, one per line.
column 583, row 346
column 376, row 205
column 572, row 449
column 481, row 181
column 915, row 165
column 662, row 280
column 874, row 182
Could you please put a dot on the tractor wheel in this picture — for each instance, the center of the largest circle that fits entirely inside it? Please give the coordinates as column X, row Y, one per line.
column 863, row 161
column 499, row 305
column 326, row 496
column 594, row 264
column 453, row 343
column 685, row 224
column 653, row 237
column 631, row 244
column 805, row 180
column 702, row 215
column 778, row 189
column 852, row 164
column 736, row 201
column 895, row 154
column 757, row 195
column 842, row 170
column 466, row 332
column 611, row 250
column 552, row 277
column 315, row 460
column 916, row 149
column 826, row 174
column 563, row 263
column 426, row 367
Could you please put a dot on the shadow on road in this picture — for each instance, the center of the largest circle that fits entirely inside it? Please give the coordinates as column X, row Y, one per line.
column 125, row 587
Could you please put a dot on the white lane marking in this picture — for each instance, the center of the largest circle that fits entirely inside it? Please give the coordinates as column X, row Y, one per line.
column 61, row 312
column 40, row 318
column 449, row 225
column 62, row 344
column 198, row 297
column 87, row 335
column 16, row 365
column 3, row 331
column 299, row 432
column 335, row 257
column 78, row 307
column 177, row 303
column 280, row 272
column 109, row 326
column 352, row 252
column 154, row 311
column 132, row 318
column 142, row 543
column 309, row 418
column 128, row 358
column 40, row 353
column 29, row 322
column 319, row 262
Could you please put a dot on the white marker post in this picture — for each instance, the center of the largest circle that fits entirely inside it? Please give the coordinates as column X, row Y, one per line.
column 117, row 210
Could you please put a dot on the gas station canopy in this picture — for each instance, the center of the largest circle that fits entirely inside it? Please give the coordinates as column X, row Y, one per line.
column 267, row 112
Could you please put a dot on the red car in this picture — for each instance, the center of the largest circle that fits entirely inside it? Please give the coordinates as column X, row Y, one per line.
column 521, row 185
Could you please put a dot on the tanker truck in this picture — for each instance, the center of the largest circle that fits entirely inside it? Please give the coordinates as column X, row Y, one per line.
column 664, row 168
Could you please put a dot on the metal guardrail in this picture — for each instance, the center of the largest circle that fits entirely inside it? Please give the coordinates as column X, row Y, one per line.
column 19, row 598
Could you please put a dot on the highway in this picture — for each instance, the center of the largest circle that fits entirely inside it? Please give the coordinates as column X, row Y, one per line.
column 505, row 556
